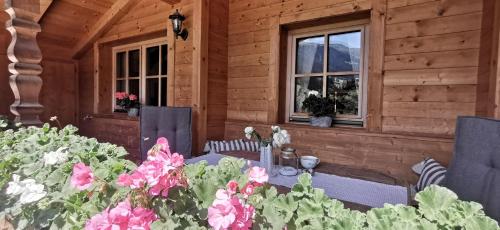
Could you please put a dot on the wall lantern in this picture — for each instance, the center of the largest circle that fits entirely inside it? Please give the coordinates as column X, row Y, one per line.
column 177, row 19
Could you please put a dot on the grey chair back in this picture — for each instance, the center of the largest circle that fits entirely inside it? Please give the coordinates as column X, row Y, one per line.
column 474, row 171
column 173, row 123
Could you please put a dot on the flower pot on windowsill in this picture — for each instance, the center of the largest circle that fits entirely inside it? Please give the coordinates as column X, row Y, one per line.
column 133, row 112
column 323, row 122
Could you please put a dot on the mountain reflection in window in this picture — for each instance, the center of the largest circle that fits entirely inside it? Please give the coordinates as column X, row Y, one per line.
column 310, row 55
column 344, row 51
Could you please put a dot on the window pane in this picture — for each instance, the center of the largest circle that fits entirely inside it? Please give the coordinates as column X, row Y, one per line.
column 344, row 51
column 120, row 65
column 163, row 91
column 310, row 55
column 345, row 92
column 120, row 86
column 302, row 87
column 152, row 91
column 152, row 60
column 164, row 58
column 133, row 86
column 133, row 63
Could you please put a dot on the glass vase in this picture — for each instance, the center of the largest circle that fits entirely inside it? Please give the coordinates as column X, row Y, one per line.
column 267, row 159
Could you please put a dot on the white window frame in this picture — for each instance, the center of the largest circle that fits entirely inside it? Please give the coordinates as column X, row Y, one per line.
column 141, row 46
column 294, row 35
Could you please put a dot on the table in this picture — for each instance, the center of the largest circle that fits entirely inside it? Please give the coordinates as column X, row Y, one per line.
column 354, row 187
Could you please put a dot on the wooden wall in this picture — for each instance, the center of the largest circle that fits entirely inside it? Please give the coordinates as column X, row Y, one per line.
column 217, row 69
column 147, row 20
column 429, row 77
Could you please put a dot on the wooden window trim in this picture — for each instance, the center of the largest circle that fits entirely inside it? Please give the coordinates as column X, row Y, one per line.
column 141, row 46
column 326, row 31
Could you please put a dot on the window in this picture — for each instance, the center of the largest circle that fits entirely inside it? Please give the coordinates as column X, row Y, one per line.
column 141, row 69
column 338, row 71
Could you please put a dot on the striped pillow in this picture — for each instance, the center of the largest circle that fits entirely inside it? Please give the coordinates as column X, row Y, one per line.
column 233, row 145
column 432, row 173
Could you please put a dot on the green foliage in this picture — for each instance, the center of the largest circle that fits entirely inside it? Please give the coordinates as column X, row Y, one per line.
column 319, row 106
column 6, row 124
column 22, row 152
column 304, row 207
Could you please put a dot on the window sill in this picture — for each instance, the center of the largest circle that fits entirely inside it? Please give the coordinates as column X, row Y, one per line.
column 334, row 126
column 115, row 116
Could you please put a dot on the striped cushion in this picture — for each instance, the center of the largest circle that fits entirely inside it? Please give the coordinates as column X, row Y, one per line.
column 233, row 145
column 432, row 173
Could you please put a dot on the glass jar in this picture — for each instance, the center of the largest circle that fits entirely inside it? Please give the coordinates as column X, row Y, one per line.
column 288, row 162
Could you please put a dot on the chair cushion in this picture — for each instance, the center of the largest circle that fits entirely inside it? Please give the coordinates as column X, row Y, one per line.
column 233, row 145
column 432, row 173
column 474, row 171
column 172, row 123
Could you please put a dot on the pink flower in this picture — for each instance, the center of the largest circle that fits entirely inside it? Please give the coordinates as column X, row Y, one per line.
column 247, row 190
column 124, row 180
column 138, row 180
column 141, row 218
column 99, row 221
column 221, row 215
column 244, row 215
column 119, row 216
column 232, row 186
column 120, row 95
column 132, row 97
column 82, row 177
column 257, row 174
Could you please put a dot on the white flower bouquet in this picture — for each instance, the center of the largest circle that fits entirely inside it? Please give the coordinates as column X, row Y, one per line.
column 278, row 136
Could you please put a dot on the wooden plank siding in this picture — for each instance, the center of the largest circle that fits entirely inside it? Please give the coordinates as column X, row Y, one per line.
column 429, row 76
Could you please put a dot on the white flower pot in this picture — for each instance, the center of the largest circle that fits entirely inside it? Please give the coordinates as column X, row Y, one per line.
column 324, row 122
column 133, row 112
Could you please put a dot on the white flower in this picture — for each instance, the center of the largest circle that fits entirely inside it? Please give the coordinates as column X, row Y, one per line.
column 30, row 191
column 281, row 138
column 313, row 92
column 57, row 157
column 53, row 118
column 15, row 187
column 275, row 128
column 248, row 132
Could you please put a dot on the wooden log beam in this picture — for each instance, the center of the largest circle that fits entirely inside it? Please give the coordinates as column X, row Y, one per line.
column 171, row 2
column 25, row 57
column 44, row 6
column 119, row 8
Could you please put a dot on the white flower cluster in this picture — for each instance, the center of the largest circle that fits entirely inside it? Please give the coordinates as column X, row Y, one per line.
column 280, row 136
column 313, row 92
column 56, row 157
column 248, row 132
column 29, row 190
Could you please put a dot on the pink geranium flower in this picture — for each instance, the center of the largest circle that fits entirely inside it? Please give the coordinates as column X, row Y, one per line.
column 258, row 175
column 244, row 215
column 82, row 177
column 120, row 215
column 247, row 190
column 221, row 215
column 141, row 218
column 232, row 187
column 124, row 180
column 99, row 221
column 132, row 97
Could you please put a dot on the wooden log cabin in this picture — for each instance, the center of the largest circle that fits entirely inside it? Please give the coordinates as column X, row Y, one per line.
column 423, row 63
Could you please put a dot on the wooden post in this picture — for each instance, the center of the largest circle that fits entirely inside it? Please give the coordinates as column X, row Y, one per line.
column 25, row 56
column 200, row 73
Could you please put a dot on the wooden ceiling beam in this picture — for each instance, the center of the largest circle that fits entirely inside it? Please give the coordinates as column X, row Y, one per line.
column 171, row 2
column 117, row 11
column 44, row 6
